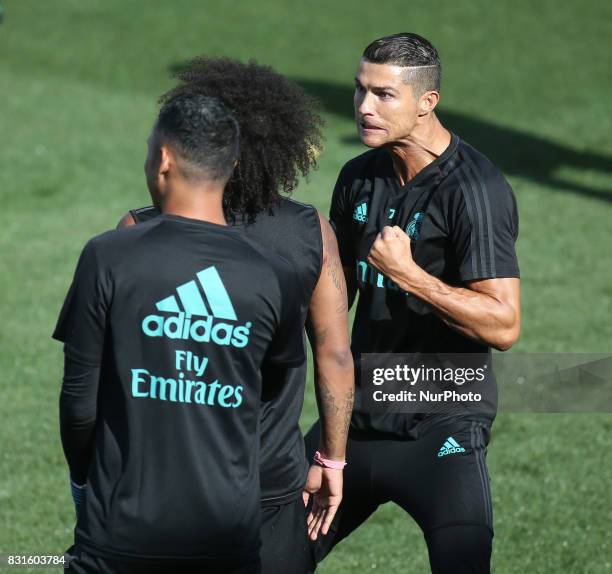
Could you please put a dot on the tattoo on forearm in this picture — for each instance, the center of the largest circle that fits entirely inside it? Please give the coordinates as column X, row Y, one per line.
column 327, row 400
column 336, row 411
column 349, row 399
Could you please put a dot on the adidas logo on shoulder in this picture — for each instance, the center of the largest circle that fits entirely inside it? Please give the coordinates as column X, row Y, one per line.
column 206, row 298
column 361, row 213
column 450, row 446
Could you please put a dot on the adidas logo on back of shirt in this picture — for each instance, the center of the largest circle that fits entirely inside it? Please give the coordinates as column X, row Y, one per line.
column 206, row 298
column 361, row 213
column 450, row 446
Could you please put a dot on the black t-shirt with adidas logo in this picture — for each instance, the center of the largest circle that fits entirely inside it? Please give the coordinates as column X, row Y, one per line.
column 462, row 217
column 180, row 342
column 292, row 230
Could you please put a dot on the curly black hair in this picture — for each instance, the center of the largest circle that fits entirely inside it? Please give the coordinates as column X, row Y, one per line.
column 280, row 127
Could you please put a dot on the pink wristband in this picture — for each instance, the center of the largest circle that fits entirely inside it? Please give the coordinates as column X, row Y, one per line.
column 328, row 463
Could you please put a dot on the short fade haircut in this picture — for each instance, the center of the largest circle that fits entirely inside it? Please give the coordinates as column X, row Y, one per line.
column 410, row 51
column 203, row 133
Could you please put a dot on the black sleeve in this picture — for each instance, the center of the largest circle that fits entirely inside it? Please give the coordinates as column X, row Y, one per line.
column 82, row 321
column 78, row 408
column 287, row 348
column 340, row 217
column 484, row 229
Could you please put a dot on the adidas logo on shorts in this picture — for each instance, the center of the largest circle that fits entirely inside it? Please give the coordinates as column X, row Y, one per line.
column 450, row 446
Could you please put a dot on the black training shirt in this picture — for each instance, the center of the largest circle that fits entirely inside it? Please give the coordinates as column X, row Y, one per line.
column 293, row 231
column 180, row 342
column 462, row 218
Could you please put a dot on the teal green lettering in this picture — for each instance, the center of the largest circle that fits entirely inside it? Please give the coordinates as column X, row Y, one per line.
column 238, row 395
column 225, row 393
column 212, row 391
column 163, row 385
column 200, row 394
column 136, row 380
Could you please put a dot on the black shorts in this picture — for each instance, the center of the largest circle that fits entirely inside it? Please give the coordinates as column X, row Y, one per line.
column 285, row 548
column 82, row 562
column 440, row 479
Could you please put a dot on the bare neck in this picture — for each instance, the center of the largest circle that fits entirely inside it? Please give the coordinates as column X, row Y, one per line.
column 425, row 144
column 203, row 202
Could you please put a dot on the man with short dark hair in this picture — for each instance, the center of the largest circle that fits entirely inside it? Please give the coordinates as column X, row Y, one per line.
column 280, row 133
column 160, row 405
column 426, row 228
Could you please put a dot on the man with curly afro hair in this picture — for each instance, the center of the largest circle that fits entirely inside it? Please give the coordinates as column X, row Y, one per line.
column 280, row 136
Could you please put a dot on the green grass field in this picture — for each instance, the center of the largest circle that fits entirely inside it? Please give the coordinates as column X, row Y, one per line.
column 526, row 82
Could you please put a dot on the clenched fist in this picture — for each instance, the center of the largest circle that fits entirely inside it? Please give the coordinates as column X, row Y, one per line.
column 391, row 255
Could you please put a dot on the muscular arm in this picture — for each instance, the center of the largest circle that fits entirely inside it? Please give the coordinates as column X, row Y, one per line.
column 327, row 329
column 487, row 310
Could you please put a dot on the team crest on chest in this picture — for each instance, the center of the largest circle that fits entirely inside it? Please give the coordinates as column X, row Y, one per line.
column 413, row 229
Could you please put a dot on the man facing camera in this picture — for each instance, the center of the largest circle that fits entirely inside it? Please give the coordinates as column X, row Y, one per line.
column 426, row 227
